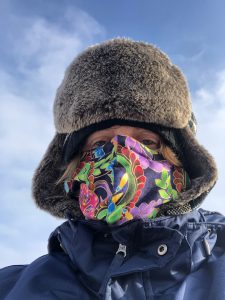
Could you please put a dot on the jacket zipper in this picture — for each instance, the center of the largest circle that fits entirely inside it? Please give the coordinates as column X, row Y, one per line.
column 117, row 261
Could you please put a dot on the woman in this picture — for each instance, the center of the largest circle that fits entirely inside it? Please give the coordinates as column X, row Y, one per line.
column 127, row 172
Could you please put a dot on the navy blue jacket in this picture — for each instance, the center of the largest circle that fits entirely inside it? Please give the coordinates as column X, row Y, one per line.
column 169, row 258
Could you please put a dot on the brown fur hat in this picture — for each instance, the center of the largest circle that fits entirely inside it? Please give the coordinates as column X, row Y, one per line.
column 126, row 80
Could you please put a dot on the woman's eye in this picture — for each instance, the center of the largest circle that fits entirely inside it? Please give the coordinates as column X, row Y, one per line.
column 98, row 143
column 151, row 144
column 148, row 142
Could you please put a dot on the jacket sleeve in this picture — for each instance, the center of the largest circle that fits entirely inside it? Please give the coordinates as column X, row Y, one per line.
column 8, row 278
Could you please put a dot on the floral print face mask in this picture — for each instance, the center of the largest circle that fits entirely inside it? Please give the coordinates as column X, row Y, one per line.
column 124, row 180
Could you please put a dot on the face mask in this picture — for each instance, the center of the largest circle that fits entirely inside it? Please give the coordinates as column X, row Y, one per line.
column 124, row 180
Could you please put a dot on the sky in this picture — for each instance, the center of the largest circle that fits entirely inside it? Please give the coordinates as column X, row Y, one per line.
column 38, row 39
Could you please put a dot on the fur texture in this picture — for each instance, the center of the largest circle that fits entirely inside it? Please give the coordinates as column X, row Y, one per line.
column 130, row 81
column 48, row 195
column 122, row 79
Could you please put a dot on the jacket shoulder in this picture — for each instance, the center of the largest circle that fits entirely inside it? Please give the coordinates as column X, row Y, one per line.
column 50, row 271
column 8, row 278
column 212, row 216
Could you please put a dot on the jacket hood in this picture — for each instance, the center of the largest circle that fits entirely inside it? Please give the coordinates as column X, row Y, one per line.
column 129, row 81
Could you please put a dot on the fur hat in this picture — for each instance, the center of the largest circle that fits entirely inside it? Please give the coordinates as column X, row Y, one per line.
column 122, row 81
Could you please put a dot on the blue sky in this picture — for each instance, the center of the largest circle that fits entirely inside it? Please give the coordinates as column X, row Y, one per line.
column 38, row 39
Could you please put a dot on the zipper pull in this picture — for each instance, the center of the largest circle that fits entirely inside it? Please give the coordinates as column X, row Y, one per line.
column 206, row 243
column 122, row 249
column 115, row 265
column 207, row 247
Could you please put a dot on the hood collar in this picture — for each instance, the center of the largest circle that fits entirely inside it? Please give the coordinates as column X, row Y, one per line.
column 94, row 247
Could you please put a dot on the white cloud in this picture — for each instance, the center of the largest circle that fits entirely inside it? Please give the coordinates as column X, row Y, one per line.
column 209, row 105
column 40, row 54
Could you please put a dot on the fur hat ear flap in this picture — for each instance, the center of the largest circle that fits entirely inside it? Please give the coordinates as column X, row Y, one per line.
column 48, row 195
column 201, row 168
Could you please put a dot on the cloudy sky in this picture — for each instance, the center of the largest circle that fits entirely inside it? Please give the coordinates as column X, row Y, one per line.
column 39, row 38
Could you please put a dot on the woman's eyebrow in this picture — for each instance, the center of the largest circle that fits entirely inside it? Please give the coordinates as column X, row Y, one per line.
column 98, row 135
column 103, row 132
column 150, row 133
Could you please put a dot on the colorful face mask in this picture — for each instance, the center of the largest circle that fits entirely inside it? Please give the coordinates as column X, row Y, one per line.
column 124, row 180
